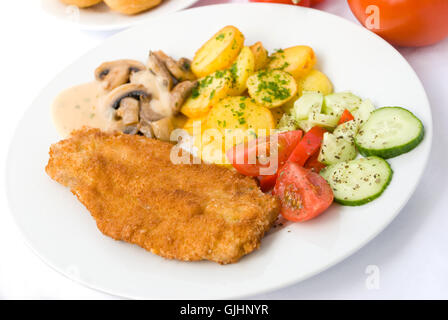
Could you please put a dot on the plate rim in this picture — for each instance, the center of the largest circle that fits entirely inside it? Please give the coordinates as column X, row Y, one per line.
column 119, row 27
column 280, row 284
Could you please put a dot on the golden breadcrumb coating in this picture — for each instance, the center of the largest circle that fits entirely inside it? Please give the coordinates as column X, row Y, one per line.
column 136, row 194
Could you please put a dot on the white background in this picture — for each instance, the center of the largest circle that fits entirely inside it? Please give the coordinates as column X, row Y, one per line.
column 411, row 254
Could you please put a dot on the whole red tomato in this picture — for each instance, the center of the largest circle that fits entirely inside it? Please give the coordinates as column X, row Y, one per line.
column 409, row 23
column 303, row 3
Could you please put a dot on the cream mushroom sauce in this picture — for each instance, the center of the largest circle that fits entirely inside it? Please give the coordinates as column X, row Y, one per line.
column 126, row 96
column 80, row 106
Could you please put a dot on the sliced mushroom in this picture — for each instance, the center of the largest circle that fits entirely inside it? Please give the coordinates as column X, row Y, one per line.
column 179, row 93
column 159, row 68
column 113, row 99
column 147, row 112
column 160, row 105
column 115, row 73
column 181, row 70
column 145, row 128
column 130, row 129
column 162, row 128
column 129, row 111
column 147, row 104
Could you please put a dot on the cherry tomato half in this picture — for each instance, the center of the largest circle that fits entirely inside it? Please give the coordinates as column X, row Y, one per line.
column 303, row 193
column 346, row 116
column 249, row 158
column 410, row 23
column 309, row 145
column 267, row 182
column 313, row 164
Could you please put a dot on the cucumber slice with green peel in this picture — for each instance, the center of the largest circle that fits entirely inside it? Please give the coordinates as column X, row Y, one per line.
column 303, row 105
column 335, row 149
column 334, row 104
column 389, row 132
column 359, row 181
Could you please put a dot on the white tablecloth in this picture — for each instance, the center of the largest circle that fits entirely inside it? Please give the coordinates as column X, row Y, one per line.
column 410, row 256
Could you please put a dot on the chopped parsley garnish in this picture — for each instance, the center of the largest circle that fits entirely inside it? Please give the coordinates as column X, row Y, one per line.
column 219, row 74
column 206, row 82
column 234, row 44
column 234, row 72
column 267, row 99
column 285, row 65
column 195, row 93
column 212, row 94
column 272, row 89
column 220, row 37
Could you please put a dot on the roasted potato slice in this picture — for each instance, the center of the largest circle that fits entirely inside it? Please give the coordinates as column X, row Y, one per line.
column 286, row 107
column 179, row 121
column 297, row 61
column 219, row 52
column 315, row 81
column 261, row 55
column 190, row 124
column 277, row 114
column 271, row 88
column 209, row 91
column 238, row 119
column 211, row 148
column 241, row 69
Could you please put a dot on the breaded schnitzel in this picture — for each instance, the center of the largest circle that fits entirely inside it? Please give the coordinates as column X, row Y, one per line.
column 136, row 194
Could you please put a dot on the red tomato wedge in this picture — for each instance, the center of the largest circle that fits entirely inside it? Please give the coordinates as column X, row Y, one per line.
column 346, row 116
column 303, row 193
column 309, row 145
column 267, row 182
column 313, row 164
column 251, row 158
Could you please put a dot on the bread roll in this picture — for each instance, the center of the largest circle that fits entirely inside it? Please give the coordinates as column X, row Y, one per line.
column 131, row 6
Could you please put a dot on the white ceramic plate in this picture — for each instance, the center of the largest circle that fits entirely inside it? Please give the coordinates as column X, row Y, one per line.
column 101, row 18
column 62, row 232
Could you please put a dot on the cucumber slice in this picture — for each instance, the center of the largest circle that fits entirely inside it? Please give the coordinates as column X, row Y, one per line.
column 287, row 123
column 359, row 181
column 303, row 105
column 336, row 149
column 335, row 103
column 389, row 132
column 347, row 130
column 363, row 112
column 305, row 125
column 317, row 118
